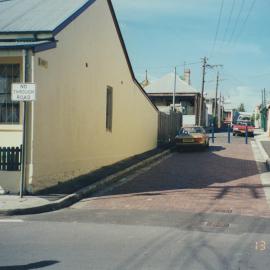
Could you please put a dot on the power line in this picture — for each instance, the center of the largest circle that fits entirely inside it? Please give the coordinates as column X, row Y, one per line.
column 217, row 29
column 229, row 21
column 246, row 20
column 237, row 20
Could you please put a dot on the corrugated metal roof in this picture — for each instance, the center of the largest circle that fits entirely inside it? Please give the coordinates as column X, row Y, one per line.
column 36, row 15
column 166, row 85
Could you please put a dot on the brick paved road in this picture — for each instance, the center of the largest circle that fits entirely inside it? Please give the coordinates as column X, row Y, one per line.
column 224, row 179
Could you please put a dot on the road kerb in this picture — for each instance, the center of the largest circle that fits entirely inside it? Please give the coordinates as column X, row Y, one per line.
column 86, row 191
column 264, row 174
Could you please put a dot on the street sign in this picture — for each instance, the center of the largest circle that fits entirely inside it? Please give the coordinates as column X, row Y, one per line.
column 23, row 92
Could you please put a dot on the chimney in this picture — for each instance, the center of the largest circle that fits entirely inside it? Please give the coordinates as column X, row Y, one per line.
column 146, row 81
column 187, row 73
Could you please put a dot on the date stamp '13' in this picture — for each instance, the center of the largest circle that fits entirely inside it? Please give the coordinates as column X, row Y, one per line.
column 260, row 245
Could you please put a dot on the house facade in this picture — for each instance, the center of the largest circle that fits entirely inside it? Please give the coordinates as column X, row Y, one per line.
column 187, row 99
column 90, row 110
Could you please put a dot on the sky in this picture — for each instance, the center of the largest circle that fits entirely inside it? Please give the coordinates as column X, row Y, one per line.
column 160, row 35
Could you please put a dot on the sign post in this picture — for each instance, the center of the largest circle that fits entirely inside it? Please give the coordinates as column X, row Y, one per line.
column 246, row 134
column 24, row 92
column 213, row 132
column 229, row 133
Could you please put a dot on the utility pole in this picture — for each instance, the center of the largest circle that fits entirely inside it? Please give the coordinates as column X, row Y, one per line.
column 202, row 92
column 219, row 112
column 174, row 88
column 215, row 107
column 264, row 96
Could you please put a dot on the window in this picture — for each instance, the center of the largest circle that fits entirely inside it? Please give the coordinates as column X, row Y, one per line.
column 109, row 108
column 9, row 110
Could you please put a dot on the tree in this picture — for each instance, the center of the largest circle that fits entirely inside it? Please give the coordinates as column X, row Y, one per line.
column 241, row 108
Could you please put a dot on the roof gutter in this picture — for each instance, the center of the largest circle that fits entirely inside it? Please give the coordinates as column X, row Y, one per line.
column 35, row 47
column 25, row 37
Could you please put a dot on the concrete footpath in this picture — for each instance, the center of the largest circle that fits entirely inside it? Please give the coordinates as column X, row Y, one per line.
column 263, row 142
column 14, row 205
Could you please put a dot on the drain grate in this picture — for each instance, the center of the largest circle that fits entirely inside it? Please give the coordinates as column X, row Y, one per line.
column 215, row 224
column 226, row 211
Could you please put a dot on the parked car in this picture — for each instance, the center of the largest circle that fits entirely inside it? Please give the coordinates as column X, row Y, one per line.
column 192, row 136
column 240, row 128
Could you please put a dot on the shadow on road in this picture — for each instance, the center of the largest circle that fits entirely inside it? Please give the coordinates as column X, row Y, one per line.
column 30, row 266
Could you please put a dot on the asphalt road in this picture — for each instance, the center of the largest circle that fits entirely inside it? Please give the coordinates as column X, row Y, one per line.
column 72, row 239
column 83, row 237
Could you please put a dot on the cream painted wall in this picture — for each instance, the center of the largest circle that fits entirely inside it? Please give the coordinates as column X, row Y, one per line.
column 10, row 136
column 70, row 137
column 10, row 181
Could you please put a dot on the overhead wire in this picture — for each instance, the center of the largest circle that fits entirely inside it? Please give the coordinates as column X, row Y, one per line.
column 246, row 20
column 229, row 21
column 237, row 21
column 217, row 29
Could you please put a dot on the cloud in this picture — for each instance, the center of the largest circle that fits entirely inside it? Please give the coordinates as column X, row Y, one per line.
column 239, row 48
column 243, row 94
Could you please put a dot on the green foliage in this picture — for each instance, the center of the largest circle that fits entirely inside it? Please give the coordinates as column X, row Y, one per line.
column 253, row 118
column 241, row 108
column 257, row 116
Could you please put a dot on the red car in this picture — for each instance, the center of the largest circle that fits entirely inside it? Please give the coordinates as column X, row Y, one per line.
column 240, row 128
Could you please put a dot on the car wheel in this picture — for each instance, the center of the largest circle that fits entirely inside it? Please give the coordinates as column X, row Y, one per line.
column 233, row 134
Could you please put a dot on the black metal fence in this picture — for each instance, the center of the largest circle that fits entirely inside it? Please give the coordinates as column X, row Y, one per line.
column 10, row 158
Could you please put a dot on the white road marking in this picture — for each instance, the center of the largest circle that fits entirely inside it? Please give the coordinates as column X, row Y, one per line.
column 11, row 220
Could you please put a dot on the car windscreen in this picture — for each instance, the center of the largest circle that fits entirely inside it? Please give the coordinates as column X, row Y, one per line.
column 191, row 130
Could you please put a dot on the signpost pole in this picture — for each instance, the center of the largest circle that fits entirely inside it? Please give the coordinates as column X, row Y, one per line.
column 246, row 135
column 23, row 145
column 213, row 132
column 229, row 133
column 23, row 158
